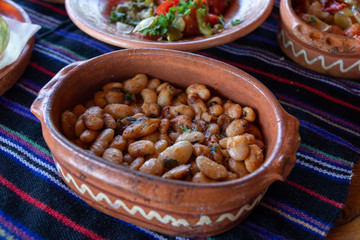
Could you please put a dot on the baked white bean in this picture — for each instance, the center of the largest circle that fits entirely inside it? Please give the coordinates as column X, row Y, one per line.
column 113, row 155
column 93, row 118
column 152, row 166
column 68, row 121
column 102, row 141
column 141, row 148
column 136, row 84
column 179, row 152
column 210, row 168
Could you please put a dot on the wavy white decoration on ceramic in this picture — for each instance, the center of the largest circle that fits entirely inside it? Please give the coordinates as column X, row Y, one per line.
column 318, row 58
column 153, row 214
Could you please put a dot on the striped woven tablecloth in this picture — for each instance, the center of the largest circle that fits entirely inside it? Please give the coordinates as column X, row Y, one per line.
column 36, row 204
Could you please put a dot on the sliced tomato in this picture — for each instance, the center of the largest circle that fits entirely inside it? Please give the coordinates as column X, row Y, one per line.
column 333, row 6
column 353, row 30
column 191, row 26
column 217, row 6
column 336, row 30
column 165, row 6
column 212, row 19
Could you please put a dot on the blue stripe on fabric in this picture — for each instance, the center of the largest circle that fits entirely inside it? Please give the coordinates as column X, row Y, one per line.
column 327, row 135
column 60, row 51
column 50, row 178
column 299, row 216
column 87, row 41
column 258, row 230
column 343, row 168
column 53, row 55
column 318, row 172
column 261, row 39
column 18, row 108
column 31, row 152
column 19, row 226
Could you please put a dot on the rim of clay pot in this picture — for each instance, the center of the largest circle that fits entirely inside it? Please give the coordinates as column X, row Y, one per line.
column 328, row 42
column 276, row 157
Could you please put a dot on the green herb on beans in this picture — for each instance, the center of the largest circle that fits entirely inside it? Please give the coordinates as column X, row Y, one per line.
column 129, row 96
column 312, row 20
column 213, row 148
column 131, row 119
column 170, row 163
column 185, row 129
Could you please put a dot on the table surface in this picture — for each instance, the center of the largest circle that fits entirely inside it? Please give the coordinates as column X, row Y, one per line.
column 312, row 203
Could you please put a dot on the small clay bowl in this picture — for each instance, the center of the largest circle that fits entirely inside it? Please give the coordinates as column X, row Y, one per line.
column 168, row 206
column 325, row 53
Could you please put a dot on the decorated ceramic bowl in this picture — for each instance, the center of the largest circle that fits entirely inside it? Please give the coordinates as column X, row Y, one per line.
column 322, row 52
column 168, row 206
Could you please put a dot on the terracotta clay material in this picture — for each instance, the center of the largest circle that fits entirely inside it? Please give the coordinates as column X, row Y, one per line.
column 325, row 53
column 92, row 17
column 11, row 74
column 172, row 207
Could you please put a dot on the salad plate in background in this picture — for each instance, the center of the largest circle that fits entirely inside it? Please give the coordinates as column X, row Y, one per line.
column 93, row 17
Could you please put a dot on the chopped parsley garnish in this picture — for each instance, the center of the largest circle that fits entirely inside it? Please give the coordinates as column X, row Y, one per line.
column 235, row 22
column 129, row 96
column 185, row 129
column 312, row 20
column 131, row 119
column 213, row 148
column 170, row 163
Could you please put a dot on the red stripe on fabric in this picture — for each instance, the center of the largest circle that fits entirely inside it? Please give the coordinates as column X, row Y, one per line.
column 324, row 95
column 314, row 194
column 49, row 6
column 34, row 65
column 274, row 15
column 49, row 210
column 14, row 229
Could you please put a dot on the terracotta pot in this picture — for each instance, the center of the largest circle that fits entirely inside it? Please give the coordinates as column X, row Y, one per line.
column 325, row 53
column 168, row 206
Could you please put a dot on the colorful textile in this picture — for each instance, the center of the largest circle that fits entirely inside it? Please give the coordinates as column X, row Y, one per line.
column 36, row 204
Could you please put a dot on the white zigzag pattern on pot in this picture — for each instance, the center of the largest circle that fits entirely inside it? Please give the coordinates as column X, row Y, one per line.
column 321, row 58
column 153, row 214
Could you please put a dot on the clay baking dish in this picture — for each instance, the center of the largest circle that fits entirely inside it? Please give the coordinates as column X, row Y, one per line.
column 325, row 53
column 168, row 206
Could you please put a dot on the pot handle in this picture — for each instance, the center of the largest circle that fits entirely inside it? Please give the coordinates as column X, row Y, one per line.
column 38, row 106
column 285, row 162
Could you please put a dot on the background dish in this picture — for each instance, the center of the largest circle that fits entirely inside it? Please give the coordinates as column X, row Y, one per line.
column 91, row 17
column 11, row 74
column 322, row 52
